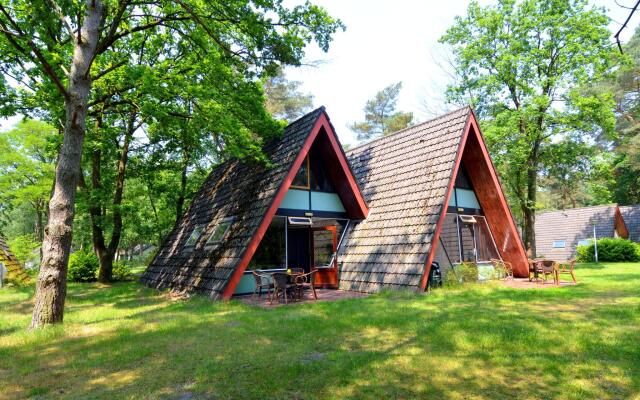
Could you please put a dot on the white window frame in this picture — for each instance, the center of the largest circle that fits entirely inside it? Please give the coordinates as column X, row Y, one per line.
column 555, row 246
column 199, row 227
column 228, row 221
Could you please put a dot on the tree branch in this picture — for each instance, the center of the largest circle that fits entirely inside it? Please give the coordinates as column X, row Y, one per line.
column 61, row 16
column 106, row 71
column 43, row 61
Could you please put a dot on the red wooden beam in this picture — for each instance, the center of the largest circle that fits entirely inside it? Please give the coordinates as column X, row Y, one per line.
column 491, row 198
column 447, row 198
column 322, row 125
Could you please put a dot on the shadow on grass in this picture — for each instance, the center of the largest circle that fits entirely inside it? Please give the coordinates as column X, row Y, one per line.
column 476, row 342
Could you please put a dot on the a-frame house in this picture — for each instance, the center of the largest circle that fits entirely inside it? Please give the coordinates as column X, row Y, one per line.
column 374, row 218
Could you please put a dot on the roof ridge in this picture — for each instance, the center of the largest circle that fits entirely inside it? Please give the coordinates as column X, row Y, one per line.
column 317, row 110
column 407, row 128
column 579, row 208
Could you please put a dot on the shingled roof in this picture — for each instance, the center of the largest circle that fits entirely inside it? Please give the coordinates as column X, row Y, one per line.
column 237, row 189
column 404, row 179
column 631, row 216
column 16, row 271
column 572, row 225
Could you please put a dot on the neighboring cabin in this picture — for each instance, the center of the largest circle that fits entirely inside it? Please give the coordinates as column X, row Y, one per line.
column 370, row 219
column 631, row 216
column 559, row 233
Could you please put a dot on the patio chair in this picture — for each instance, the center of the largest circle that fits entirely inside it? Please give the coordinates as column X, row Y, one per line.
column 262, row 281
column 549, row 267
column 282, row 286
column 567, row 268
column 535, row 269
column 306, row 281
column 503, row 267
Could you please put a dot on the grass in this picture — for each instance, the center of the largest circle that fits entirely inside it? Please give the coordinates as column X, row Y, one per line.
column 482, row 341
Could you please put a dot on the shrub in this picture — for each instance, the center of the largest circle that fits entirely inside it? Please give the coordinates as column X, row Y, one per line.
column 83, row 265
column 121, row 271
column 609, row 249
column 459, row 274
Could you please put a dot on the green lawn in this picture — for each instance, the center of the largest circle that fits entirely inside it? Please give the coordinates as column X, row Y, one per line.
column 483, row 341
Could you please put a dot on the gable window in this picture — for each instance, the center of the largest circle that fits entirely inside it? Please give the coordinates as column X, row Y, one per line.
column 220, row 231
column 558, row 244
column 195, row 235
column 302, row 179
column 300, row 221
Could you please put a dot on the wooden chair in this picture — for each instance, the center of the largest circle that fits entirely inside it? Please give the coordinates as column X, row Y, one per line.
column 549, row 267
column 262, row 281
column 282, row 286
column 306, row 281
column 567, row 268
column 504, row 267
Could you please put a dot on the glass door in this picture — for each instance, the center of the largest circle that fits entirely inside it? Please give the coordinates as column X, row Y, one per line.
column 324, row 243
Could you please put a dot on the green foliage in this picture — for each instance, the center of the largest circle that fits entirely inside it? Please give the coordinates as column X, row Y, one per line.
column 467, row 272
column 27, row 155
column 25, row 248
column 523, row 65
column 122, row 271
column 284, row 99
column 380, row 115
column 610, row 249
column 83, row 266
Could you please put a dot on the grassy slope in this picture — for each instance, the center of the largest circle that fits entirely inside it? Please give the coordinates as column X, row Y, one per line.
column 485, row 341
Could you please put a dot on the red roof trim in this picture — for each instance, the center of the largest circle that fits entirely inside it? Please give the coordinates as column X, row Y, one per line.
column 472, row 125
column 322, row 122
column 447, row 198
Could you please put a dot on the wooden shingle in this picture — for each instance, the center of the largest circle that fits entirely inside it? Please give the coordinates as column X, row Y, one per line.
column 404, row 178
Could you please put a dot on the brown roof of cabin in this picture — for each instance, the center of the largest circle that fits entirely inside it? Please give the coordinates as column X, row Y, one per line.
column 572, row 225
column 631, row 216
column 404, row 179
column 237, row 189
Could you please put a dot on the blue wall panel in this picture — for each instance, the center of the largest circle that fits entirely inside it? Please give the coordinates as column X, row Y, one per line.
column 321, row 201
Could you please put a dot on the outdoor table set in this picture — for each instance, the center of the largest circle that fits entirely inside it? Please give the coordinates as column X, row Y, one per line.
column 289, row 285
column 546, row 267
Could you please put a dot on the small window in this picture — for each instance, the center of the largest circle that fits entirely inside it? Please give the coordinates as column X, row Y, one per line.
column 300, row 221
column 558, row 244
column 220, row 231
column 468, row 219
column 195, row 235
column 584, row 242
column 301, row 180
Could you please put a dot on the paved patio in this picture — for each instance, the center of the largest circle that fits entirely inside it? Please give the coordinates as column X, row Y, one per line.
column 524, row 283
column 323, row 295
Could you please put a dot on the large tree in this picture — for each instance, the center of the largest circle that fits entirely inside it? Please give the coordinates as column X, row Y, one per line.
column 27, row 156
column 626, row 91
column 284, row 100
column 520, row 64
column 380, row 115
column 58, row 50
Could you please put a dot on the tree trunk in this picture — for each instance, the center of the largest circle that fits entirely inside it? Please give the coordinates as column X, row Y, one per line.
column 183, row 187
column 51, row 286
column 530, row 206
column 106, row 253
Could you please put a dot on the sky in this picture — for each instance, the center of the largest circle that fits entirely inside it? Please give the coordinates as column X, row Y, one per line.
column 386, row 42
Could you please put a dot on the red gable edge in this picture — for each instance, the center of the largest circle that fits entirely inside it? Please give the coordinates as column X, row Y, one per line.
column 520, row 268
column 362, row 208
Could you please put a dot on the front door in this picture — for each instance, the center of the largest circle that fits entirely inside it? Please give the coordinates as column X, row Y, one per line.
column 324, row 243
